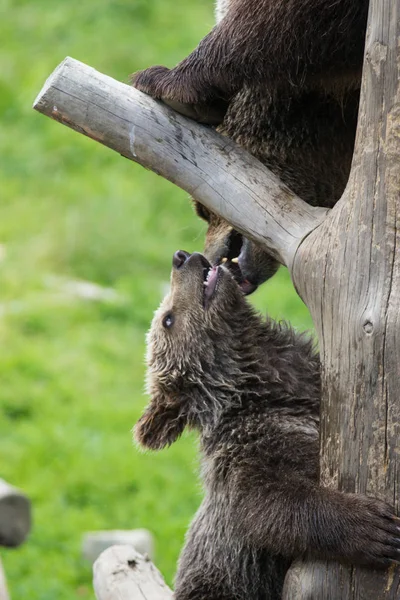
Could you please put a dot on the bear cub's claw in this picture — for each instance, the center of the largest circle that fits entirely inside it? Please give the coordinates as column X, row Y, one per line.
column 376, row 537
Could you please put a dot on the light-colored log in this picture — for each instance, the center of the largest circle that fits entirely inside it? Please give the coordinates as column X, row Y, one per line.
column 15, row 515
column 212, row 168
column 4, row 595
column 121, row 573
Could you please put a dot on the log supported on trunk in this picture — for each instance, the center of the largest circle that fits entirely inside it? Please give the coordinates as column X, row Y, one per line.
column 212, row 168
column 345, row 265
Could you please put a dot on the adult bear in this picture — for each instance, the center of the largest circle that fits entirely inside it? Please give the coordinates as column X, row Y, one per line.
column 282, row 78
column 251, row 388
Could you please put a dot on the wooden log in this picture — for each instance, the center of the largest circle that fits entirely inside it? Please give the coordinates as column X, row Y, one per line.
column 121, row 573
column 15, row 515
column 212, row 168
column 3, row 585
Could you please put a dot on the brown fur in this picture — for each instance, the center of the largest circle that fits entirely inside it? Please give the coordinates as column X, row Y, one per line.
column 251, row 388
column 282, row 78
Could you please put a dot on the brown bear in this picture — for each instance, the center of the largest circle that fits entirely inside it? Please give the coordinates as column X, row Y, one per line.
column 251, row 388
column 282, row 78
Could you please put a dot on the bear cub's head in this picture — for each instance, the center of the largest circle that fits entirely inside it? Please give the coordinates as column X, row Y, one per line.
column 196, row 350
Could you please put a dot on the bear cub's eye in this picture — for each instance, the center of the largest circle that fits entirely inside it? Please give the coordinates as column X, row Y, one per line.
column 168, row 320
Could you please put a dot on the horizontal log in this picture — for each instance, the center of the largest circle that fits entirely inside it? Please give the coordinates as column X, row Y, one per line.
column 121, row 573
column 212, row 168
column 15, row 515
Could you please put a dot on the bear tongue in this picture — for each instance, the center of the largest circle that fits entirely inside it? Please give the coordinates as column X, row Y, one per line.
column 211, row 282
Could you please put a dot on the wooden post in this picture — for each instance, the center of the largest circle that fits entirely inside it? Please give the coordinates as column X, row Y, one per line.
column 3, row 585
column 15, row 515
column 15, row 523
column 121, row 573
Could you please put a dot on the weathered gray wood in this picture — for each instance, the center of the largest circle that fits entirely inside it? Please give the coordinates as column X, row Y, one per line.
column 15, row 515
column 220, row 174
column 4, row 595
column 300, row 582
column 348, row 273
column 95, row 542
column 121, row 573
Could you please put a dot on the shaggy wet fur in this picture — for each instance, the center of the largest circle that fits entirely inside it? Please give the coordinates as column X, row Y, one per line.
column 282, row 78
column 251, row 388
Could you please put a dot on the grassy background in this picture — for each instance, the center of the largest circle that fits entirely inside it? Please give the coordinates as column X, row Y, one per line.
column 72, row 370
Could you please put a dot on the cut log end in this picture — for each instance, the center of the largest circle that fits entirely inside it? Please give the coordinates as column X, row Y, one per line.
column 15, row 515
column 40, row 104
column 122, row 573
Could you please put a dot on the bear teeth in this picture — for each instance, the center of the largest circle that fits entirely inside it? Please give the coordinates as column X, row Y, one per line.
column 207, row 280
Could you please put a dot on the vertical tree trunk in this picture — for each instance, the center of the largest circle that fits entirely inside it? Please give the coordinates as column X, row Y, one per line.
column 348, row 273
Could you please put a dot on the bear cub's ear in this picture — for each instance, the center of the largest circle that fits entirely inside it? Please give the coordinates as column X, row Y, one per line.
column 160, row 425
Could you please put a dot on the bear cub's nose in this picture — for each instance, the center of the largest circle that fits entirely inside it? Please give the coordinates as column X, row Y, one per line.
column 179, row 258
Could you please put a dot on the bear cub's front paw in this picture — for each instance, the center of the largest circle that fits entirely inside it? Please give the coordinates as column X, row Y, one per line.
column 374, row 534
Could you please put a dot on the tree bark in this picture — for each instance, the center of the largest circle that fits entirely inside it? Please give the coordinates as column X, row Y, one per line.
column 348, row 273
column 220, row 174
column 121, row 573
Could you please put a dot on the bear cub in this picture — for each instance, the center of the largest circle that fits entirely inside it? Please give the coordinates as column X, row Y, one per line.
column 251, row 388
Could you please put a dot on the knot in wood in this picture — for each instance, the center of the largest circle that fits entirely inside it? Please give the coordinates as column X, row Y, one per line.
column 376, row 54
column 368, row 327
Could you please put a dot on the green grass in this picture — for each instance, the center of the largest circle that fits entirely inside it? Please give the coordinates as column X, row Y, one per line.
column 72, row 370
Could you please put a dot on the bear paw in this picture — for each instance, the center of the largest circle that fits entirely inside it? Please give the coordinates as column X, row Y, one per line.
column 182, row 91
column 374, row 538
